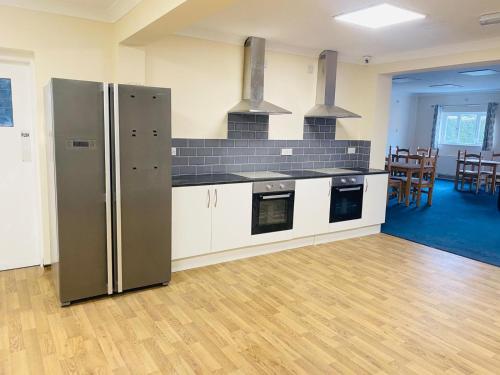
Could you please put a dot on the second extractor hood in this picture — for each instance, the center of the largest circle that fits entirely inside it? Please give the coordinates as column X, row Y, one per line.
column 253, row 82
column 325, row 90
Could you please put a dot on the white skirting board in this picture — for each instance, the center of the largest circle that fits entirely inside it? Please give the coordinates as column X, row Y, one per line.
column 247, row 252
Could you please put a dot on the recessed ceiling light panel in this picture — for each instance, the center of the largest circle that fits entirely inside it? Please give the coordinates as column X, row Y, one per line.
column 379, row 16
column 446, row 86
column 481, row 72
column 404, row 79
column 489, row 19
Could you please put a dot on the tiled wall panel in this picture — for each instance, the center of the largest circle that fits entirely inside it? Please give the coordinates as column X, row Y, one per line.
column 205, row 156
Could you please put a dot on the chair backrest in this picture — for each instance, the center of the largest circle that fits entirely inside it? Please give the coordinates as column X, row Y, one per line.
column 414, row 159
column 423, row 151
column 434, row 152
column 469, row 158
column 389, row 160
column 402, row 153
column 424, row 163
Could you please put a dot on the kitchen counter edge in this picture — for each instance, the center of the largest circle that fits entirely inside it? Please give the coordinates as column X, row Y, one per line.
column 228, row 178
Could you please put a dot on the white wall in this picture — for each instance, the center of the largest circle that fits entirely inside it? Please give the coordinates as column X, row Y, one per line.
column 402, row 119
column 206, row 80
column 418, row 113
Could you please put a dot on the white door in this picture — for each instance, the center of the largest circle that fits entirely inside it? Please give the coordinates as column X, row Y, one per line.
column 312, row 207
column 231, row 216
column 19, row 187
column 375, row 199
column 191, row 221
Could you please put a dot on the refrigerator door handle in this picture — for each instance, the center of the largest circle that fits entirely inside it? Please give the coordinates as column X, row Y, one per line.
column 107, row 165
column 116, row 127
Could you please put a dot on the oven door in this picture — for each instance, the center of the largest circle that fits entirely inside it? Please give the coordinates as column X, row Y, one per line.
column 346, row 203
column 272, row 212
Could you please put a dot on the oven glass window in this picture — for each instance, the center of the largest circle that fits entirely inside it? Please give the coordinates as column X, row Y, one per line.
column 273, row 212
column 346, row 204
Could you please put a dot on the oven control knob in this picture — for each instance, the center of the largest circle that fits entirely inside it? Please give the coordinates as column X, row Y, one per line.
column 353, row 179
column 343, row 180
column 282, row 186
column 269, row 186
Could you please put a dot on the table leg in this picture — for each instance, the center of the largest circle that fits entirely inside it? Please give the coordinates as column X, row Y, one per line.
column 494, row 182
column 408, row 186
column 457, row 174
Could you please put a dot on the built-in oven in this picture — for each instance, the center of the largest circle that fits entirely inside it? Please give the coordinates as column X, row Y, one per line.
column 346, row 201
column 272, row 206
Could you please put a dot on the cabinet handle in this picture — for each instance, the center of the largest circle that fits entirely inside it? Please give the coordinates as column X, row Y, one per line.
column 366, row 185
column 330, row 188
column 208, row 200
column 216, row 199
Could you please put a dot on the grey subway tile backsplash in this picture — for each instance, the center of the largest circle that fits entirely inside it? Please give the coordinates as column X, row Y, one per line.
column 248, row 149
column 319, row 128
column 227, row 156
column 244, row 126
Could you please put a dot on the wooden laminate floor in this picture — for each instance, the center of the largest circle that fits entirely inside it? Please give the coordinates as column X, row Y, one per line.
column 374, row 305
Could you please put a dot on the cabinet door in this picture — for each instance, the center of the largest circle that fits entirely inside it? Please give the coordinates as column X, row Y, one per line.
column 231, row 216
column 191, row 221
column 375, row 199
column 312, row 207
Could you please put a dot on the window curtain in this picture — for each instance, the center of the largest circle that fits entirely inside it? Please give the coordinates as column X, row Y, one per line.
column 435, row 121
column 490, row 126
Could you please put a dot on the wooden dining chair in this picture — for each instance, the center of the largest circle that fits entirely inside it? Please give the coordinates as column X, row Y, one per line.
column 402, row 153
column 423, row 151
column 495, row 156
column 425, row 180
column 473, row 172
column 419, row 183
column 395, row 185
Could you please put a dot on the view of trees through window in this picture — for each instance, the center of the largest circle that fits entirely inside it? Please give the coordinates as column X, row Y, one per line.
column 462, row 128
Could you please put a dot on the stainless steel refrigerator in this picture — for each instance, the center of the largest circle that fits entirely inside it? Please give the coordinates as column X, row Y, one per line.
column 109, row 151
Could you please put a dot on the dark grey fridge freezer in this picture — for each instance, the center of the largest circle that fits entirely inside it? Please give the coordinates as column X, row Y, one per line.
column 110, row 186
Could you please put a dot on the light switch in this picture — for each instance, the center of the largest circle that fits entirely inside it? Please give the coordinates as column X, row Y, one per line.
column 286, row 151
column 174, row 151
column 351, row 150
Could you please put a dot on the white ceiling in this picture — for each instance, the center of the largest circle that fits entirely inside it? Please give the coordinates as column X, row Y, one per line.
column 307, row 27
column 99, row 10
column 421, row 81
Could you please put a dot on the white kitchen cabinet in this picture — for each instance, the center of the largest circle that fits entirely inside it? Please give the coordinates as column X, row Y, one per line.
column 374, row 199
column 191, row 221
column 210, row 218
column 231, row 216
column 312, row 207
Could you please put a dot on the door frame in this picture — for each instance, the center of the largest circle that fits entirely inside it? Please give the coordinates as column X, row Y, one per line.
column 26, row 59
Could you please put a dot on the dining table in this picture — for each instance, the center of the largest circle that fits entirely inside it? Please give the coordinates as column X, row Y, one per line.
column 493, row 164
column 408, row 169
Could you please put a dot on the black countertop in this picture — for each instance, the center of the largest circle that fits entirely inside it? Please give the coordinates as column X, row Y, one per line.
column 228, row 178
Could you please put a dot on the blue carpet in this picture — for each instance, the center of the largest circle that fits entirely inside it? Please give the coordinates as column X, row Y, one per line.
column 458, row 222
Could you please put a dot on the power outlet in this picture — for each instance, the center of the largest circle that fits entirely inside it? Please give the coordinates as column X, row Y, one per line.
column 286, row 152
column 351, row 150
column 174, row 151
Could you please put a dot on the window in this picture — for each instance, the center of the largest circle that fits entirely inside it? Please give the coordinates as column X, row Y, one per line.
column 6, row 119
column 462, row 128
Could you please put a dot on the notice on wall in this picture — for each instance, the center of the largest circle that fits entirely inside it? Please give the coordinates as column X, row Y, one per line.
column 25, row 146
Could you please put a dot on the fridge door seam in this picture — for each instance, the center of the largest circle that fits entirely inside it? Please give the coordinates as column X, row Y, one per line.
column 107, row 163
column 118, row 190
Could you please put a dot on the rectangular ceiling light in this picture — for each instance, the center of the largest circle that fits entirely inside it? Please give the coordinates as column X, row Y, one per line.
column 481, row 72
column 379, row 16
column 446, row 86
column 403, row 80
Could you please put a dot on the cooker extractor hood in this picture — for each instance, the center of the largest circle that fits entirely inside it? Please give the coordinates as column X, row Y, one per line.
column 325, row 89
column 253, row 82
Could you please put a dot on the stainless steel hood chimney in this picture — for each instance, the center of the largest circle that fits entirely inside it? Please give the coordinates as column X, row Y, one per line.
column 325, row 90
column 253, row 82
